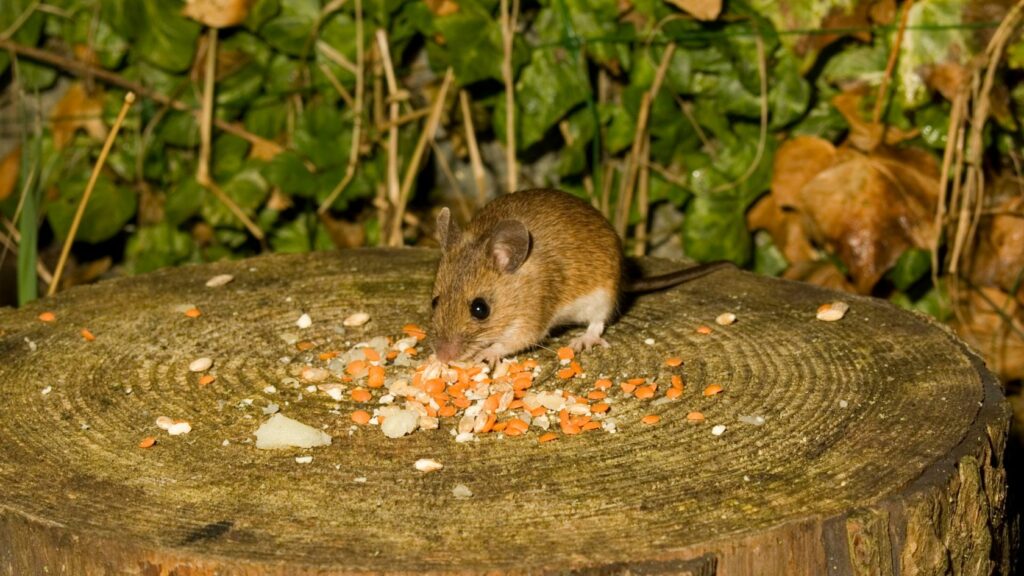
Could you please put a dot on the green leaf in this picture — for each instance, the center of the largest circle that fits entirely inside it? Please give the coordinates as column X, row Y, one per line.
column 323, row 135
column 284, row 76
column 947, row 41
column 303, row 234
column 291, row 30
column 110, row 207
column 108, row 46
column 619, row 127
column 716, row 229
column 789, row 95
column 158, row 246
column 240, row 88
column 35, row 77
column 165, row 37
column 913, row 265
column 288, row 172
column 266, row 116
column 183, row 201
column 260, row 12
column 768, row 259
column 548, row 89
column 29, row 32
column 248, row 189
column 934, row 124
column 228, row 156
column 472, row 46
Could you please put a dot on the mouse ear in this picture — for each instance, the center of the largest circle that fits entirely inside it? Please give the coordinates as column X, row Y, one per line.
column 448, row 232
column 509, row 245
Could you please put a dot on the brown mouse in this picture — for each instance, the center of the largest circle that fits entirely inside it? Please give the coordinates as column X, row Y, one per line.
column 526, row 263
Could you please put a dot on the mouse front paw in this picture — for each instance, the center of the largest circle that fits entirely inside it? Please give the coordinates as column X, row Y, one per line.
column 592, row 337
column 491, row 355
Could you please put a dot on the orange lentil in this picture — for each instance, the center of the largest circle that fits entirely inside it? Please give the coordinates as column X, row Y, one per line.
column 447, row 411
column 591, row 426
column 673, row 393
column 371, row 355
column 705, row 330
column 548, row 437
column 603, row 384
column 361, row 417
column 361, row 395
column 434, row 386
column 430, row 411
column 490, row 423
column 677, row 381
column 356, row 367
column 193, row 313
column 414, row 331
column 597, row 395
column 566, row 353
column 206, row 379
column 87, row 335
column 673, row 362
column 712, row 390
column 645, row 392
column 529, row 364
column 627, row 387
column 522, row 381
column 513, row 432
column 576, row 368
column 147, row 442
column 327, row 355
column 636, row 381
column 491, row 404
column 695, row 417
column 346, row 378
column 305, row 345
column 411, row 352
column 462, row 402
column 651, row 419
column 538, row 411
column 599, row 408
column 392, row 354
column 580, row 420
column 518, row 424
column 47, row 317
column 376, row 377
column 566, row 373
column 515, row 405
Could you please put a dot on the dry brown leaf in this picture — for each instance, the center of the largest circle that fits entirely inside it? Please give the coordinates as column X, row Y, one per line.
column 869, row 208
column 866, row 135
column 999, row 259
column 442, row 7
column 217, row 13
column 785, row 228
column 994, row 325
column 822, row 273
column 265, row 149
column 700, row 9
column 77, row 109
column 344, row 234
column 797, row 162
column 9, row 172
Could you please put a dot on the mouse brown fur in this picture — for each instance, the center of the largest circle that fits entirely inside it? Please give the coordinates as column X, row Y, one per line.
column 528, row 262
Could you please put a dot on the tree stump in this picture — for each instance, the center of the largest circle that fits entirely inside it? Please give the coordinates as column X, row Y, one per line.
column 880, row 451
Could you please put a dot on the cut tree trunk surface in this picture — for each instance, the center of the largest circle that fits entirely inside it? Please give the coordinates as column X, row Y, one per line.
column 880, row 451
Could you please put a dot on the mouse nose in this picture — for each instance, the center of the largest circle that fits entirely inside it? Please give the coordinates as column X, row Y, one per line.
column 447, row 350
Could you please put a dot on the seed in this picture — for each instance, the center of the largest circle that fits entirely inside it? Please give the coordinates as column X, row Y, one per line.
column 200, row 364
column 548, row 437
column 87, row 335
column 832, row 311
column 193, row 313
column 645, row 392
column 361, row 395
column 599, row 408
column 376, row 377
column 673, row 362
column 219, row 280
column 713, row 389
column 565, row 354
column 47, row 317
column 627, row 387
column 603, row 384
column 651, row 419
column 677, row 381
column 304, row 322
column 566, row 373
column 428, row 465
column 361, row 417
column 725, row 319
column 718, row 430
column 206, row 379
column 597, row 395
column 414, row 331
column 705, row 330
column 311, row 374
column 695, row 417
column 147, row 442
column 305, row 345
column 673, row 393
column 357, row 319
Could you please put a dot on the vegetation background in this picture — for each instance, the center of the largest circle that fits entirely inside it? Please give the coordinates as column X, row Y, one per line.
column 869, row 145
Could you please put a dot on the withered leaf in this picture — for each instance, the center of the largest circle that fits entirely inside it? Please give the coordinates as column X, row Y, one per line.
column 217, row 13
column 442, row 7
column 9, row 172
column 992, row 322
column 700, row 9
column 785, row 228
column 999, row 258
column 77, row 109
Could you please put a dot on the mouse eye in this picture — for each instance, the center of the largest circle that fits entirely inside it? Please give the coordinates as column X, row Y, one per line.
column 479, row 309
column 433, row 303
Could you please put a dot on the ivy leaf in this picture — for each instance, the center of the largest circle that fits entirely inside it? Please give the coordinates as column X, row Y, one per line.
column 85, row 32
column 789, row 94
column 548, row 89
column 288, row 172
column 323, row 135
column 28, row 33
column 913, row 265
column 719, row 217
column 110, row 207
column 228, row 156
column 158, row 246
column 291, row 30
column 260, row 12
column 183, row 201
column 165, row 37
column 248, row 189
column 304, row 234
column 472, row 46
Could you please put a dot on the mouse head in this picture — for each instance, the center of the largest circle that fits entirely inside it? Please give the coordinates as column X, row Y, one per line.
column 473, row 299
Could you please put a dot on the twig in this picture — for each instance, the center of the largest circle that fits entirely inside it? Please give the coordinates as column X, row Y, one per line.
column 953, row 137
column 357, row 122
column 129, row 99
column 332, row 54
column 417, row 155
column 479, row 176
column 394, row 190
column 890, row 65
column 508, row 28
column 640, row 241
column 11, row 245
column 404, row 119
column 446, row 169
column 687, row 111
column 338, row 86
column 82, row 69
column 19, row 21
column 626, row 192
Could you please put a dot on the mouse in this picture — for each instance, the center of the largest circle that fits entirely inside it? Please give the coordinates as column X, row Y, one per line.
column 528, row 262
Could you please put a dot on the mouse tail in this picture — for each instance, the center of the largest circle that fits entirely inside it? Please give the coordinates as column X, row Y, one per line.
column 652, row 283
